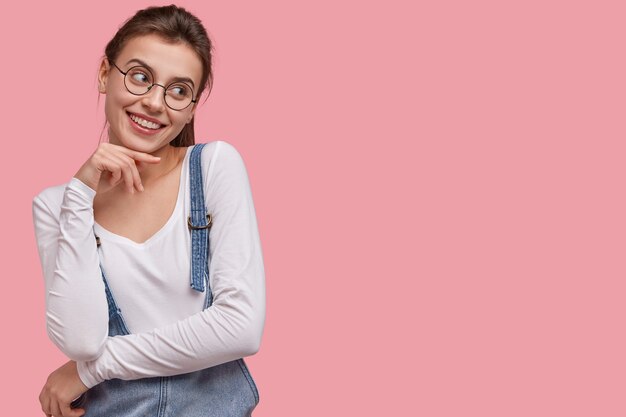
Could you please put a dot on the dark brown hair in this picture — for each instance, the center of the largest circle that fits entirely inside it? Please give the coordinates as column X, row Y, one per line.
column 173, row 24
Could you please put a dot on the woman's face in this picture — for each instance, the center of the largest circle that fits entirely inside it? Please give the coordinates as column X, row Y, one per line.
column 168, row 63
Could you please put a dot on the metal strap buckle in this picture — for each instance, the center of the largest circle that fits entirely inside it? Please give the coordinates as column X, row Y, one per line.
column 209, row 220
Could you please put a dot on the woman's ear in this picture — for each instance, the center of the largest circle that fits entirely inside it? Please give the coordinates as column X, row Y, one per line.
column 103, row 74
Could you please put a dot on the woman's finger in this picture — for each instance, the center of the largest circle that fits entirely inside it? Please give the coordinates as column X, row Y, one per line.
column 137, row 155
column 122, row 165
column 134, row 158
column 45, row 403
column 47, row 411
column 142, row 156
column 67, row 411
column 135, row 173
column 116, row 174
column 128, row 169
column 54, row 408
column 114, row 180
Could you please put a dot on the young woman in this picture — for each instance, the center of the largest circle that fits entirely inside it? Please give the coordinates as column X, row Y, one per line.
column 152, row 260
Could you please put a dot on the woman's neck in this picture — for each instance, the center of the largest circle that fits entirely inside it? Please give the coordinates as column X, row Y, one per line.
column 170, row 157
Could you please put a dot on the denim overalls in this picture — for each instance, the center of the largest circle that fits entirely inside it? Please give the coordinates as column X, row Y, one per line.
column 225, row 390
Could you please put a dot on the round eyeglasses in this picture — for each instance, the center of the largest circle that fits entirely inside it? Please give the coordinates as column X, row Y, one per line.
column 139, row 80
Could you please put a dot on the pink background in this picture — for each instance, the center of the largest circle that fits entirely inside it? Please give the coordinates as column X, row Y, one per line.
column 439, row 189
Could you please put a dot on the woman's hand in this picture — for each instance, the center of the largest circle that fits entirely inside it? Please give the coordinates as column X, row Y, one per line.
column 62, row 387
column 119, row 162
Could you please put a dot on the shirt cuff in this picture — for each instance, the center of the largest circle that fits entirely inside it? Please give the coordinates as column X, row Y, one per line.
column 85, row 375
column 83, row 189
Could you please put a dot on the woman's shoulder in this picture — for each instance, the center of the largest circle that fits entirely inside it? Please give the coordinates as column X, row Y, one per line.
column 220, row 153
column 217, row 147
column 223, row 168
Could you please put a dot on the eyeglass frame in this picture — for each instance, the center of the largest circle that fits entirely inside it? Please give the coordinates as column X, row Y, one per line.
column 153, row 84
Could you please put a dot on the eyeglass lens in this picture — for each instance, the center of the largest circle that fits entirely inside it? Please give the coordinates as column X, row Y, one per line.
column 138, row 81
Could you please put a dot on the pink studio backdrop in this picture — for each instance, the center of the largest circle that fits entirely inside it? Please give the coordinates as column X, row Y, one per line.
column 439, row 188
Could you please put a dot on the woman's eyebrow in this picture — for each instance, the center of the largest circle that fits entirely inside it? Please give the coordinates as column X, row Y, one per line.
column 140, row 62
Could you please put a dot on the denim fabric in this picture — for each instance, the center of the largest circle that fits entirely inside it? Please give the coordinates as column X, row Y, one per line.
column 224, row 390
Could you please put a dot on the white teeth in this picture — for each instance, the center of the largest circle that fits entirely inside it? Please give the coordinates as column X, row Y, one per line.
column 145, row 123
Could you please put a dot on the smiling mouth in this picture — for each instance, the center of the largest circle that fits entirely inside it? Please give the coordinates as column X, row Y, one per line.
column 144, row 123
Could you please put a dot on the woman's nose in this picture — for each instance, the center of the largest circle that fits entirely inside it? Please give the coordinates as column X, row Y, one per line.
column 155, row 98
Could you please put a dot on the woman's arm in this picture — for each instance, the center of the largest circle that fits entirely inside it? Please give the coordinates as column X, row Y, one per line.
column 76, row 307
column 232, row 327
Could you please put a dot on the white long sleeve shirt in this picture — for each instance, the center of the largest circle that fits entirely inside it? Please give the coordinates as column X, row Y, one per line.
column 170, row 334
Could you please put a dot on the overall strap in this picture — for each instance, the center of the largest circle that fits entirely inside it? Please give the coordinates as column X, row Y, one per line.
column 198, row 222
column 113, row 308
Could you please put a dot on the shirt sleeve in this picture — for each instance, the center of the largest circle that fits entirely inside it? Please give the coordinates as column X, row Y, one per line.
column 232, row 327
column 76, row 306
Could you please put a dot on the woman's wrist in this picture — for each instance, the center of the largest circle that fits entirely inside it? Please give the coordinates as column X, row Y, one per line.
column 87, row 177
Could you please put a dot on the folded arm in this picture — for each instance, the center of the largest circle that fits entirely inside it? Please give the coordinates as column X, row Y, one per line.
column 232, row 327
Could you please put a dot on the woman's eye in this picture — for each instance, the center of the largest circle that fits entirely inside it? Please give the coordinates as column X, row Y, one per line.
column 141, row 77
column 179, row 90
